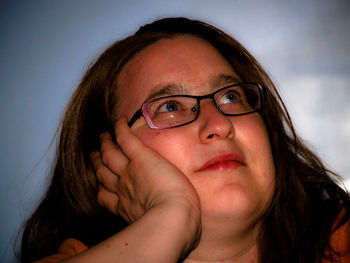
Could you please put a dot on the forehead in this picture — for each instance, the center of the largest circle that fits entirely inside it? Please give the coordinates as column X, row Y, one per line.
column 189, row 63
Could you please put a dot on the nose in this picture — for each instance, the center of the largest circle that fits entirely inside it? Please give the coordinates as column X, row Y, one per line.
column 213, row 124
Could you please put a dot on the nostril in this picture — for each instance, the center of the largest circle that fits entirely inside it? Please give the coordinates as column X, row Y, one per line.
column 210, row 136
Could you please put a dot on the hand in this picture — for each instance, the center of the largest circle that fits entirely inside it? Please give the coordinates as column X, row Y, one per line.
column 134, row 178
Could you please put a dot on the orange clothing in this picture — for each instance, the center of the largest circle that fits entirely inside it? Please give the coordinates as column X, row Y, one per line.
column 67, row 249
column 71, row 247
column 340, row 241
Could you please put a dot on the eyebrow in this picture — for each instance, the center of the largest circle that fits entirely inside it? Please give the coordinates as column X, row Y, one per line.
column 223, row 79
column 176, row 89
column 167, row 90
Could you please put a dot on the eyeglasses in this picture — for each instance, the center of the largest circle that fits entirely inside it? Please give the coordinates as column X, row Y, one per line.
column 178, row 110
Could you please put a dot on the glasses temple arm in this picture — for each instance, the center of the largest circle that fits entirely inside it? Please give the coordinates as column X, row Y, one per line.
column 134, row 118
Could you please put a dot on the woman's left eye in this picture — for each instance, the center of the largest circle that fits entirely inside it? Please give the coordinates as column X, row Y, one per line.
column 230, row 97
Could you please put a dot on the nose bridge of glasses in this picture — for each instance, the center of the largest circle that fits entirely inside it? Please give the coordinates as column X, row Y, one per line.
column 211, row 103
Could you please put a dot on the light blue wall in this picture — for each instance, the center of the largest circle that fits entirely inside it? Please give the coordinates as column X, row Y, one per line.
column 47, row 45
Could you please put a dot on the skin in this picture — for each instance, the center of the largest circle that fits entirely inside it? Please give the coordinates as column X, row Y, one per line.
column 162, row 192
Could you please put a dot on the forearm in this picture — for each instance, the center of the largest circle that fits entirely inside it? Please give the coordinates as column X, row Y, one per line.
column 164, row 234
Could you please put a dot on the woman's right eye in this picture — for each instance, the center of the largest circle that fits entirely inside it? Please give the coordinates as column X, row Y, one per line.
column 168, row 106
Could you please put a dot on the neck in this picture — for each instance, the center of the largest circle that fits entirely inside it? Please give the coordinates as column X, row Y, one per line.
column 226, row 245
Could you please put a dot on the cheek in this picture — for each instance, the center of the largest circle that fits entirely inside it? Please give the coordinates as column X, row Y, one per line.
column 255, row 138
column 173, row 146
column 152, row 139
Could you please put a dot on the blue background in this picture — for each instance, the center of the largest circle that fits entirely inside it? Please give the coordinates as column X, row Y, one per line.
column 45, row 47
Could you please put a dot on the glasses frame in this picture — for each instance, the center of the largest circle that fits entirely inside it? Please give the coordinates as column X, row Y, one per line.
column 143, row 110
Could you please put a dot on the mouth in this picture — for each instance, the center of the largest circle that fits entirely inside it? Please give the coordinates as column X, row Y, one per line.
column 223, row 162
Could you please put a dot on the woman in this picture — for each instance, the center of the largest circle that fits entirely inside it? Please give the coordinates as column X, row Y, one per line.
column 196, row 160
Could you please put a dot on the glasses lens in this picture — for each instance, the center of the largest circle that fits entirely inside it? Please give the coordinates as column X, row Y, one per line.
column 172, row 111
column 238, row 99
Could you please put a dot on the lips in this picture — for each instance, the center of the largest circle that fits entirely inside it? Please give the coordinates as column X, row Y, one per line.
column 223, row 162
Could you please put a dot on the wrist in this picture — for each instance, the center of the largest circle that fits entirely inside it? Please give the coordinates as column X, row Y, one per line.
column 183, row 221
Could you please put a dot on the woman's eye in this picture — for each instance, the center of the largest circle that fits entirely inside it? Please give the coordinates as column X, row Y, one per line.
column 168, row 106
column 230, row 97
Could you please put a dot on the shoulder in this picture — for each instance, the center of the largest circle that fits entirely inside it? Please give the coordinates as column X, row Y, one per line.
column 67, row 249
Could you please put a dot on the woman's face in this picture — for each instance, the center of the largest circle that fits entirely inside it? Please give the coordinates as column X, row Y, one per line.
column 239, row 181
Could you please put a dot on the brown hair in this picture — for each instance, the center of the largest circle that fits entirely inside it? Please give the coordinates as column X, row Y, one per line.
column 307, row 201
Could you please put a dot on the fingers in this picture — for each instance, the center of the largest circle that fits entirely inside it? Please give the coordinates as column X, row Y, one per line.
column 111, row 155
column 111, row 202
column 116, row 190
column 107, row 199
column 130, row 145
column 105, row 176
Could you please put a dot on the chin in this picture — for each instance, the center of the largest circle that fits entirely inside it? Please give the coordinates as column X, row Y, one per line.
column 234, row 205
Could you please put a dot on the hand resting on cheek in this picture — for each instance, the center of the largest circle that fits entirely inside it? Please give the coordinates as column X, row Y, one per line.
column 134, row 178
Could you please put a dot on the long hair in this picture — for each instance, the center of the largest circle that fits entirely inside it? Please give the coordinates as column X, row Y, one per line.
column 307, row 201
